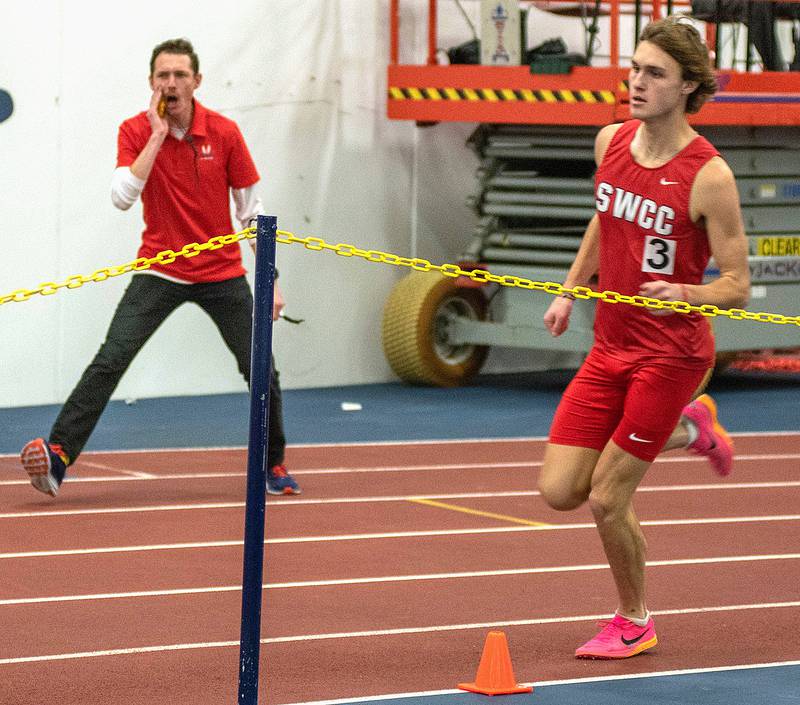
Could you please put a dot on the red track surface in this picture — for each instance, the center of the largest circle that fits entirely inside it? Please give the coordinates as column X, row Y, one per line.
column 136, row 528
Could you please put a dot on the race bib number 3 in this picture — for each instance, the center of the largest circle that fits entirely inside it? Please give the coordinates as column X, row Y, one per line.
column 659, row 255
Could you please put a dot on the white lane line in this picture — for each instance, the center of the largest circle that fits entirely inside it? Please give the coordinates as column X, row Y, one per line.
column 379, row 444
column 711, row 560
column 676, row 672
column 153, row 451
column 382, row 633
column 509, row 439
column 133, row 475
column 571, row 681
column 740, row 457
column 129, row 474
column 138, row 476
column 124, row 510
column 389, row 535
column 355, row 444
column 122, row 549
column 524, row 464
column 720, row 486
column 309, row 471
column 295, row 502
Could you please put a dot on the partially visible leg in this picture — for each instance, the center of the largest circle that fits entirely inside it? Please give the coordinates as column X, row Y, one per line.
column 147, row 302
column 587, row 415
column 700, row 432
column 655, row 396
column 276, row 453
column 708, row 436
column 631, row 630
column 615, row 479
column 684, row 433
column 230, row 306
column 566, row 475
column 653, row 404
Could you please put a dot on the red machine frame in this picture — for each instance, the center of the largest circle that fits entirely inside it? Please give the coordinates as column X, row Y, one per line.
column 585, row 96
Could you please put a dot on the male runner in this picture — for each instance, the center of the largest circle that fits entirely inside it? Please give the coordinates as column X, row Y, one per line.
column 665, row 200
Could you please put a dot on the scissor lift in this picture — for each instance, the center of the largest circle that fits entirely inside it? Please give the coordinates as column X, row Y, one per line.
column 535, row 196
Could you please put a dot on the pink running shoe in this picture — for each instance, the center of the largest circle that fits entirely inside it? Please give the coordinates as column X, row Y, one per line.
column 619, row 638
column 712, row 439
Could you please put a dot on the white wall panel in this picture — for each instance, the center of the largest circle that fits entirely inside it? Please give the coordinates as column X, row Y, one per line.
column 306, row 83
column 30, row 163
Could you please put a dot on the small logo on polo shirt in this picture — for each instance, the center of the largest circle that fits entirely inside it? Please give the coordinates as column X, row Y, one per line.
column 205, row 151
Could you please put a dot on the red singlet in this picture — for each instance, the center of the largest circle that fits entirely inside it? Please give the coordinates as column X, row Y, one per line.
column 646, row 235
column 643, row 368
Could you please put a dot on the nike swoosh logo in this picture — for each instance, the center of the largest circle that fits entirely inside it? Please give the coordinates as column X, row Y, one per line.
column 664, row 182
column 636, row 438
column 628, row 642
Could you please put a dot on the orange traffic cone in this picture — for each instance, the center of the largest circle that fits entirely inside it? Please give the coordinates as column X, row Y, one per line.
column 495, row 674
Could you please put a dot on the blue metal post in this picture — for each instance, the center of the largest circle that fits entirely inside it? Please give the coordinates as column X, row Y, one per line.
column 260, row 370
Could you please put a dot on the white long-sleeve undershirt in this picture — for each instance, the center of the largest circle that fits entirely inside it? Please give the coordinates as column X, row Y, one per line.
column 126, row 188
column 248, row 204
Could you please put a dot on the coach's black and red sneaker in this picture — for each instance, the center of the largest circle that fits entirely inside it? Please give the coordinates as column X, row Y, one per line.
column 46, row 465
column 279, row 481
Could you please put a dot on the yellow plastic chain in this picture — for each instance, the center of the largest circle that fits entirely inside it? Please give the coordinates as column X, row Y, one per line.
column 580, row 292
column 165, row 257
column 421, row 265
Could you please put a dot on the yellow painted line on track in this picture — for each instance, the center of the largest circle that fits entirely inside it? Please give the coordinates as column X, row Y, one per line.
column 476, row 512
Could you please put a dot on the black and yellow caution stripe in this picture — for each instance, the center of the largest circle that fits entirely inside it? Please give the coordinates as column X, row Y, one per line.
column 499, row 95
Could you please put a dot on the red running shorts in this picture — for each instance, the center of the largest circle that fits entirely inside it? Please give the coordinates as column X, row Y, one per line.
column 635, row 403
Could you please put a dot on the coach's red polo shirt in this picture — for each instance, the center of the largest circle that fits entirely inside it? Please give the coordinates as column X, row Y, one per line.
column 186, row 197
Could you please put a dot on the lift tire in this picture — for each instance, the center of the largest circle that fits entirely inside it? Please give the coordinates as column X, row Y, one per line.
column 413, row 335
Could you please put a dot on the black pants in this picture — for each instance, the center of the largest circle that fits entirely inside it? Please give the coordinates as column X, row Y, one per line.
column 147, row 302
